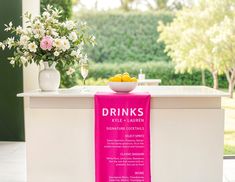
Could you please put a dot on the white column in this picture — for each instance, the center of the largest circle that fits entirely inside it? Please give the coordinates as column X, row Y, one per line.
column 30, row 73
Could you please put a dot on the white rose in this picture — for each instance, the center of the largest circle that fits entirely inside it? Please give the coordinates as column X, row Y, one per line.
column 73, row 53
column 23, row 59
column 27, row 31
column 73, row 36
column 81, row 45
column 8, row 27
column 39, row 32
column 84, row 59
column 54, row 33
column 26, row 53
column 19, row 30
column 66, row 44
column 2, row 46
column 46, row 14
column 55, row 13
column 69, row 25
column 10, row 42
column 78, row 55
column 36, row 36
column 24, row 40
column 37, row 25
column 58, row 43
column 83, row 23
column 56, row 53
column 70, row 71
column 32, row 47
column 12, row 62
column 55, row 21
column 93, row 40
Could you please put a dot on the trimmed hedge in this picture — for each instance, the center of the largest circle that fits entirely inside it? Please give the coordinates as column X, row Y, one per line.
column 125, row 37
column 155, row 70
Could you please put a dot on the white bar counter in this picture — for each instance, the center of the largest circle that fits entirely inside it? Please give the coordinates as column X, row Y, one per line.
column 187, row 129
column 149, row 82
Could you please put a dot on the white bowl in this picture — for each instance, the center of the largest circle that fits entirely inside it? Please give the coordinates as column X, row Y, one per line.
column 122, row 86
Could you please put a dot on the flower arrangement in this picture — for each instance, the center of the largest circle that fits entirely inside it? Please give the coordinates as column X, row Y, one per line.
column 45, row 38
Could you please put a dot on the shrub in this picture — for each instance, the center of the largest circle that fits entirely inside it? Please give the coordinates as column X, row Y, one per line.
column 64, row 5
column 100, row 72
column 125, row 37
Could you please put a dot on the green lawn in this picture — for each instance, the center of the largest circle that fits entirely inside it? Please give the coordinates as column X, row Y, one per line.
column 229, row 134
column 229, row 142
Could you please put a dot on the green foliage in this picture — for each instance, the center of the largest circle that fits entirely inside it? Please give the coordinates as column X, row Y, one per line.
column 125, row 4
column 229, row 149
column 100, row 72
column 229, row 143
column 64, row 5
column 125, row 37
column 65, row 40
column 93, row 81
column 67, row 81
column 203, row 37
column 162, row 4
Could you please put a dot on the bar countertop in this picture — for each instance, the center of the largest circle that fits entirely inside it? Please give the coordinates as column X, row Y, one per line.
column 155, row 91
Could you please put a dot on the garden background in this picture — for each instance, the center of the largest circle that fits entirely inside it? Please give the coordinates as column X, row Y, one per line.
column 127, row 41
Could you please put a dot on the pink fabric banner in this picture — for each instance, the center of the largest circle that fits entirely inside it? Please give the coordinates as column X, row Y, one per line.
column 122, row 137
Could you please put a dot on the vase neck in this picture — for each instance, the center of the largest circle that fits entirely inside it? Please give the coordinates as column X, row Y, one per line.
column 53, row 65
column 46, row 65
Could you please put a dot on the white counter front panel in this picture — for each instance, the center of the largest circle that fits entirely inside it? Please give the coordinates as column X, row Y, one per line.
column 186, row 145
column 187, row 128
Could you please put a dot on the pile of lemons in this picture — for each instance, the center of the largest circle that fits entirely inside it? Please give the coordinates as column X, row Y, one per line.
column 125, row 77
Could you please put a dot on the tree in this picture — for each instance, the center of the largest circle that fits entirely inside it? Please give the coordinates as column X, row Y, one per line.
column 168, row 4
column 74, row 2
column 223, row 36
column 156, row 4
column 161, row 4
column 189, row 41
column 179, row 4
column 125, row 4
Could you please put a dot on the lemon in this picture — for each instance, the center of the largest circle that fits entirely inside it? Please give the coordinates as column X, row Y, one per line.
column 115, row 79
column 118, row 75
column 133, row 79
column 111, row 79
column 125, row 73
column 126, row 78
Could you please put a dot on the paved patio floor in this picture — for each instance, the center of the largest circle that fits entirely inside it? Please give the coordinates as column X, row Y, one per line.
column 13, row 165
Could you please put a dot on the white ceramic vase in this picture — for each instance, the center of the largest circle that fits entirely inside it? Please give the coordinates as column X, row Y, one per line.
column 49, row 78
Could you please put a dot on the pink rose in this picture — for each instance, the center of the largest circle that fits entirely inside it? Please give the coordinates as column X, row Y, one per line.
column 46, row 43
